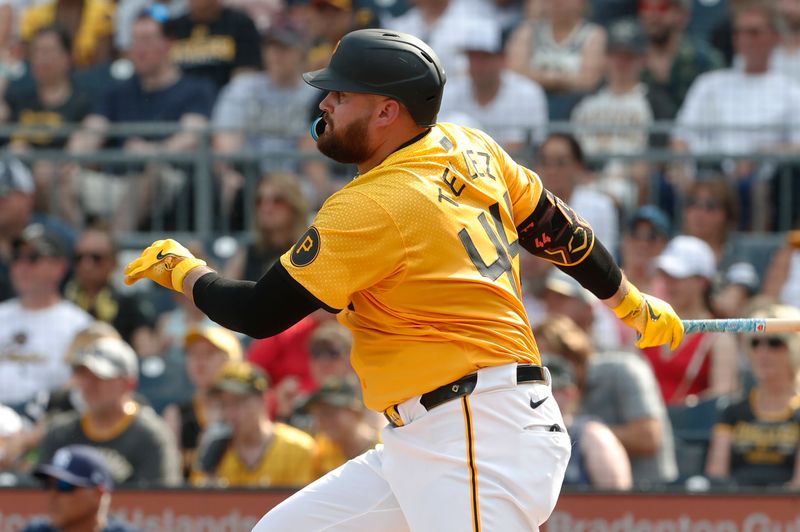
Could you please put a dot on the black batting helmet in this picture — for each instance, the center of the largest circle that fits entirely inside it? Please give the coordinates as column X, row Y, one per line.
column 389, row 63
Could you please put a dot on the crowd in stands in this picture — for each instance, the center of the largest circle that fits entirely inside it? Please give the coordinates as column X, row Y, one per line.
column 167, row 397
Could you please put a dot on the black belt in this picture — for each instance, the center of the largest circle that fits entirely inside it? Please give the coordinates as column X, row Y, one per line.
column 460, row 388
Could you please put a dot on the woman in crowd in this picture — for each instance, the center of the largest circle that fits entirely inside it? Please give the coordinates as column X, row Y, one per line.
column 756, row 441
column 710, row 213
column 281, row 216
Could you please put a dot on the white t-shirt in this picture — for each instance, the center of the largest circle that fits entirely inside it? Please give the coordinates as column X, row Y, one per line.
column 786, row 62
column 517, row 114
column 607, row 108
column 723, row 102
column 447, row 35
column 32, row 347
column 598, row 209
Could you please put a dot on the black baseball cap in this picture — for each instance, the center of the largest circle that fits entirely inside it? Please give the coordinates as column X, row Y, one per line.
column 627, row 35
column 41, row 240
column 79, row 465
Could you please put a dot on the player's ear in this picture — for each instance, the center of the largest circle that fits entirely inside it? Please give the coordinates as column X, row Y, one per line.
column 388, row 112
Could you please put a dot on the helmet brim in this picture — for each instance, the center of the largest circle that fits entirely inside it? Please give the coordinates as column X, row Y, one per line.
column 328, row 80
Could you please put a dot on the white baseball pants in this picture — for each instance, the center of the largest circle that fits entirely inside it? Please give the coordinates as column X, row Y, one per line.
column 490, row 461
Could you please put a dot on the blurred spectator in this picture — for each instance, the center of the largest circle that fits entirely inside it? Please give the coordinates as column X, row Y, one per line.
column 92, row 289
column 10, row 428
column 16, row 209
column 52, row 101
column 326, row 22
column 757, row 439
column 214, row 42
column 564, row 295
column 598, row 458
column 330, row 347
column 286, row 359
column 280, row 217
column 506, row 105
column 342, row 429
column 79, row 485
column 441, row 24
column 673, row 59
column 705, row 364
column 533, row 274
column 207, row 351
column 710, row 213
column 648, row 232
column 617, row 118
column 562, row 167
column 620, row 391
column 255, row 451
column 265, row 111
column 739, row 111
column 785, row 58
column 129, row 10
column 782, row 279
column 88, row 23
column 37, row 326
column 158, row 92
column 137, row 443
column 562, row 52
column 740, row 286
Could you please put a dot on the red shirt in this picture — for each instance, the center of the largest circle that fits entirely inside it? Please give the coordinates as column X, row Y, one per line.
column 682, row 372
column 286, row 354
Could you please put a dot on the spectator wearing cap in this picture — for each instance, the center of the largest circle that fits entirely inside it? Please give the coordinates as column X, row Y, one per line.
column 264, row 111
column 598, row 459
column 255, row 451
column 208, row 349
column 157, row 92
column 615, row 120
column 137, row 444
column 508, row 106
column 562, row 166
column 79, row 485
column 648, row 232
column 674, row 59
column 214, row 42
column 756, row 441
column 343, row 430
column 37, row 326
column 741, row 284
column 705, row 364
column 565, row 296
column 620, row 390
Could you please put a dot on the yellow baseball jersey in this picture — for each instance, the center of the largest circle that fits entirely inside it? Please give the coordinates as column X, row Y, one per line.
column 288, row 461
column 422, row 254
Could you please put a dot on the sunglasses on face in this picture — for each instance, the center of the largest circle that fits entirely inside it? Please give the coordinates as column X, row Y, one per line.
column 61, row 486
column 772, row 342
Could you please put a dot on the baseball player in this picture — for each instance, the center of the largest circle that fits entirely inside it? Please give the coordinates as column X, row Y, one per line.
column 419, row 256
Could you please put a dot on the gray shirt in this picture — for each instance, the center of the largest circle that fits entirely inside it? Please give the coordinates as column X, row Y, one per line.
column 621, row 388
column 143, row 453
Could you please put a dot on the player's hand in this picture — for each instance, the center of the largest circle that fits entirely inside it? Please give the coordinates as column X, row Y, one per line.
column 652, row 318
column 165, row 262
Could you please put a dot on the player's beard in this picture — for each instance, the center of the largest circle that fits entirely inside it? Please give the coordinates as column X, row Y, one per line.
column 346, row 145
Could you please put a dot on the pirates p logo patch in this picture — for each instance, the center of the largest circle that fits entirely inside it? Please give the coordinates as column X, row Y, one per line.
column 306, row 249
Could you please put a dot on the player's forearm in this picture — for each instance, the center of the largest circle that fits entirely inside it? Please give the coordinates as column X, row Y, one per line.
column 262, row 309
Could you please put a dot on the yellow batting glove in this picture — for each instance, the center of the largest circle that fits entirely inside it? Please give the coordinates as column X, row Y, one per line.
column 165, row 262
column 652, row 318
column 793, row 238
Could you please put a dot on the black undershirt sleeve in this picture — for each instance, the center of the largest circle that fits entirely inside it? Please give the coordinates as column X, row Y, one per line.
column 557, row 234
column 261, row 309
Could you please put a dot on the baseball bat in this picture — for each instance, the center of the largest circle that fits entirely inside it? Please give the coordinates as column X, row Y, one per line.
column 742, row 325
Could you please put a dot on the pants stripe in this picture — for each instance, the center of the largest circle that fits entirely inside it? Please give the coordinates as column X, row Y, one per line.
column 473, row 470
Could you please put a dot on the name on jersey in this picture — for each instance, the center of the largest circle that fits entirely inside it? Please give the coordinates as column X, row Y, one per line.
column 477, row 163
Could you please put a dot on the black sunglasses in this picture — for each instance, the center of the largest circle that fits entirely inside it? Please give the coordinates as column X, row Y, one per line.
column 771, row 341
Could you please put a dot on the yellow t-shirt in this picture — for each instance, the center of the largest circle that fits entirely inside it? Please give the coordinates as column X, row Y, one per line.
column 421, row 253
column 287, row 462
column 97, row 22
column 328, row 455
